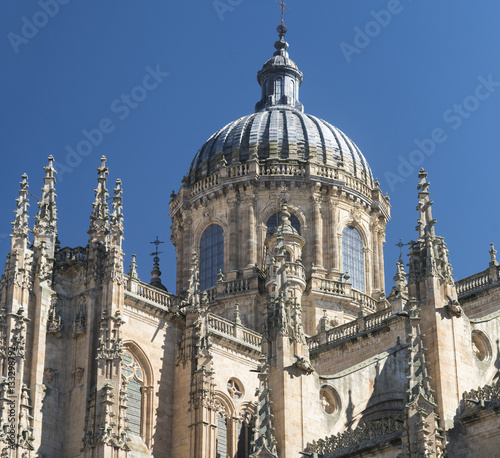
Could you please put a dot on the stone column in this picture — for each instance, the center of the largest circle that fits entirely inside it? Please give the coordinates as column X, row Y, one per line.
column 381, row 242
column 251, row 240
column 232, row 258
column 375, row 264
column 318, row 231
column 333, row 241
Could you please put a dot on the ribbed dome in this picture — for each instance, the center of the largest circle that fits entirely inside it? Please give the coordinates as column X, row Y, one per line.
column 279, row 130
column 280, row 133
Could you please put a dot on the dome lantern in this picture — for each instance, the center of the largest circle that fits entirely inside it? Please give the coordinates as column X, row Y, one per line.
column 280, row 78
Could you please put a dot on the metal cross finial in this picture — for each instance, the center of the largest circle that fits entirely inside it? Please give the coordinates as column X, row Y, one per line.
column 156, row 252
column 283, row 8
column 400, row 245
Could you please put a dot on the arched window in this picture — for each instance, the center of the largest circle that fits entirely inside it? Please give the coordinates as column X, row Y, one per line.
column 221, row 436
column 245, row 435
column 211, row 256
column 352, row 257
column 274, row 221
column 279, row 89
column 132, row 373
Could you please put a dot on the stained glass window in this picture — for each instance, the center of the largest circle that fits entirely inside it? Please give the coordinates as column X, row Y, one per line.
column 352, row 257
column 211, row 256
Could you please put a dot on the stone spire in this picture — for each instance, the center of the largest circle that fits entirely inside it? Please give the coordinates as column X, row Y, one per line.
column 46, row 220
column 20, row 223
column 280, row 78
column 264, row 444
column 99, row 220
column 429, row 255
column 156, row 272
column 400, row 278
column 133, row 268
column 424, row 432
column 116, row 225
column 193, row 297
column 425, row 222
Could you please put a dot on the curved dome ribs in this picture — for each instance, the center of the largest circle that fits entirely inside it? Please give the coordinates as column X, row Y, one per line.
column 280, row 131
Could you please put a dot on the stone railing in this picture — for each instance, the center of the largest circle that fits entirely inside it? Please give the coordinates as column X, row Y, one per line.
column 206, row 183
column 154, row 295
column 211, row 293
column 364, row 435
column 296, row 269
column 238, row 170
column 282, row 169
column 472, row 283
column 377, row 319
column 71, row 255
column 236, row 286
column 242, row 335
column 341, row 288
column 278, row 168
column 332, row 286
column 327, row 172
column 176, row 201
column 479, row 397
column 217, row 323
column 349, row 330
column 356, row 184
column 364, row 299
column 342, row 332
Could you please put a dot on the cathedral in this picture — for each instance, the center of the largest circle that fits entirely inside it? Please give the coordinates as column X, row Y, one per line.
column 281, row 339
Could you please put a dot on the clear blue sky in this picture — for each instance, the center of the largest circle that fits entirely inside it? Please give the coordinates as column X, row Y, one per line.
column 430, row 65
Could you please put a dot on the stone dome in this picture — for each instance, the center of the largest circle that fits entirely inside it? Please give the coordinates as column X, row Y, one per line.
column 279, row 130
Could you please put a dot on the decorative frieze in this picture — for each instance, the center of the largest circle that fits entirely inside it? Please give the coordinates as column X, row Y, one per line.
column 365, row 435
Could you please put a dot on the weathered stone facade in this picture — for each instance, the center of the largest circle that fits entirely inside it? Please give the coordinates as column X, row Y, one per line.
column 280, row 340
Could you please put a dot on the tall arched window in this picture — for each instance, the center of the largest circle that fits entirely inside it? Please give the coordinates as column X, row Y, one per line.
column 279, row 89
column 245, row 435
column 352, row 257
column 132, row 373
column 221, row 436
column 274, row 221
column 211, row 256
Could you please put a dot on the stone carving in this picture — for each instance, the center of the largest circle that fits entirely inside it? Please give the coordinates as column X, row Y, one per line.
column 20, row 224
column 80, row 321
column 78, row 374
column 108, row 432
column 328, row 400
column 304, row 364
column 54, row 321
column 50, row 374
column 47, row 211
column 110, row 345
column 487, row 393
column 265, row 442
column 481, row 346
column 453, row 306
column 373, row 431
column 99, row 220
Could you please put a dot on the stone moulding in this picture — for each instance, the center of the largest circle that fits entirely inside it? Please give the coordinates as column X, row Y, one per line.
column 373, row 434
column 477, row 402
